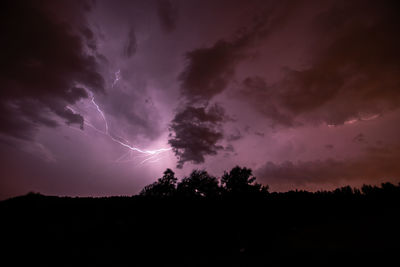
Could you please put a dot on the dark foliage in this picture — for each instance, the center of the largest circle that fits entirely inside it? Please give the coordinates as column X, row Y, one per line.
column 201, row 222
column 199, row 184
column 239, row 181
column 164, row 187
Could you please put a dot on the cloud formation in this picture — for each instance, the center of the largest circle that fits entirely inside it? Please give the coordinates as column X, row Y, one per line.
column 209, row 70
column 353, row 73
column 195, row 133
column 265, row 99
column 46, row 59
column 207, row 73
column 379, row 163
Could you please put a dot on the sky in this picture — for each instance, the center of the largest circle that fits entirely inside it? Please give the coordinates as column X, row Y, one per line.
column 99, row 97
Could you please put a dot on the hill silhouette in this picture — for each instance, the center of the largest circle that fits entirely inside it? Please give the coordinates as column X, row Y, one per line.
column 201, row 221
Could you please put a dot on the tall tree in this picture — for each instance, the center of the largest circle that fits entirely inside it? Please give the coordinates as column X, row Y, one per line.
column 163, row 187
column 241, row 181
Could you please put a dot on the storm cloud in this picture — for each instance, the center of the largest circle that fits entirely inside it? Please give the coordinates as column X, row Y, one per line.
column 196, row 132
column 45, row 62
column 207, row 73
column 352, row 75
column 209, row 70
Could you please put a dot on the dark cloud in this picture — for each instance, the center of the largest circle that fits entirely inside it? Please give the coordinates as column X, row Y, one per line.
column 209, row 69
column 353, row 74
column 131, row 44
column 195, row 130
column 168, row 14
column 47, row 54
column 377, row 164
column 196, row 133
column 207, row 73
column 265, row 99
column 356, row 72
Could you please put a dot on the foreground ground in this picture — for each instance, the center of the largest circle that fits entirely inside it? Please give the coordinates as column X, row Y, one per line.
column 326, row 229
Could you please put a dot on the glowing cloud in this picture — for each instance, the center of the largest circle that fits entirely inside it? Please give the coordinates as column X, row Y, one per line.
column 149, row 155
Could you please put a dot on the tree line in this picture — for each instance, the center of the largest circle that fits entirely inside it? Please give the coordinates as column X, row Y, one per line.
column 202, row 220
column 239, row 181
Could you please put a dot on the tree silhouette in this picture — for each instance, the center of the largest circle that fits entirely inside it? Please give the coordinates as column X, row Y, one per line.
column 198, row 184
column 369, row 190
column 390, row 188
column 241, row 181
column 163, row 187
column 344, row 191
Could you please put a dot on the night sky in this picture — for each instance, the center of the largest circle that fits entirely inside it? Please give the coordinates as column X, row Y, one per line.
column 98, row 98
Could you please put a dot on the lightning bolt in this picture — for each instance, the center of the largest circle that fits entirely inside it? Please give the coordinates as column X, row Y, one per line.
column 147, row 154
column 101, row 113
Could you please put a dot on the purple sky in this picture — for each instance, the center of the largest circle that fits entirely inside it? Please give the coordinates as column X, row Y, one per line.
column 305, row 93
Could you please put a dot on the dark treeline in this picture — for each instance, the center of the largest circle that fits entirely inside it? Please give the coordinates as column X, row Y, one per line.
column 240, row 183
column 202, row 221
